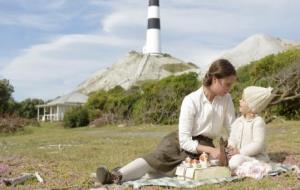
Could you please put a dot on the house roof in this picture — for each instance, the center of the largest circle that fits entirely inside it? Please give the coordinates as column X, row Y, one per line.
column 71, row 98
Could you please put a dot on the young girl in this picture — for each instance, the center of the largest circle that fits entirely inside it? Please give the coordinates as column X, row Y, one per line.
column 247, row 137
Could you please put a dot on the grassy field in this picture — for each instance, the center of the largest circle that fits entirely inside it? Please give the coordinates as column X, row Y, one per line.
column 66, row 157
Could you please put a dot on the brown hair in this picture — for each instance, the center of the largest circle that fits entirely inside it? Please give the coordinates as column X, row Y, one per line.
column 220, row 68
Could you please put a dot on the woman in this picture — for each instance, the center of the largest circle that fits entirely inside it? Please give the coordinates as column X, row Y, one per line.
column 203, row 114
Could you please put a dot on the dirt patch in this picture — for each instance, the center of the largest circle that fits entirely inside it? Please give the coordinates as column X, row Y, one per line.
column 128, row 134
column 8, row 167
column 291, row 159
column 295, row 187
column 54, row 173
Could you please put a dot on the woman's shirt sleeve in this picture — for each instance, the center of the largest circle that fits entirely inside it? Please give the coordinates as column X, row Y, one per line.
column 233, row 137
column 229, row 115
column 186, row 123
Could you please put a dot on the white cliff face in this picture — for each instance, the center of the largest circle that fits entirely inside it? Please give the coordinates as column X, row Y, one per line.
column 133, row 68
column 256, row 47
column 137, row 67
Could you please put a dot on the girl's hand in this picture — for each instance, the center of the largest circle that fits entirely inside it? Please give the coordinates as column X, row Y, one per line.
column 231, row 151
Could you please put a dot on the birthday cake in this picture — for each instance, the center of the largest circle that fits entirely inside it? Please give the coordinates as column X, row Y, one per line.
column 202, row 168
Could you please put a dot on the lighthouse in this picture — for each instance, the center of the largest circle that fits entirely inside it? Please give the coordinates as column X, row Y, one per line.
column 153, row 29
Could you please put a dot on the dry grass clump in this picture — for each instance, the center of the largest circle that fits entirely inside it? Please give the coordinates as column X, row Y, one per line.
column 14, row 123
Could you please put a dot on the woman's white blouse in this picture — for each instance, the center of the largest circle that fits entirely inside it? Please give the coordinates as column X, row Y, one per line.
column 198, row 116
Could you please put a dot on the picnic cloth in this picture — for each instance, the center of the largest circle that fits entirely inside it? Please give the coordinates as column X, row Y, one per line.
column 277, row 168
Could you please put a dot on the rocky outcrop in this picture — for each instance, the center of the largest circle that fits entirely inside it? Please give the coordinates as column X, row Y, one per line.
column 136, row 67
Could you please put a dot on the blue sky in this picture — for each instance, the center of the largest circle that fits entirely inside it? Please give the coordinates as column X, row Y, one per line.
column 48, row 47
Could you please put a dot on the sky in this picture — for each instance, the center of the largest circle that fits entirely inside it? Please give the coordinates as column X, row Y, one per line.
column 48, row 47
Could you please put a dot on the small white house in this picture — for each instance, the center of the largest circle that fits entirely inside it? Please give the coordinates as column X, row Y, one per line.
column 55, row 110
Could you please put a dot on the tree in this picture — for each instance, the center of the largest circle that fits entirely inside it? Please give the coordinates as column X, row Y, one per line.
column 288, row 84
column 287, row 90
column 282, row 72
column 76, row 117
column 6, row 91
column 27, row 108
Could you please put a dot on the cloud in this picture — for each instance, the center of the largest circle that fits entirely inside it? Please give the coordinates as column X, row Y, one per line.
column 33, row 21
column 43, row 15
column 55, row 68
column 193, row 20
column 206, row 17
column 125, row 18
column 192, row 30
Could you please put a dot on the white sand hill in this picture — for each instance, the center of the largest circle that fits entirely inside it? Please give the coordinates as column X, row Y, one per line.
column 256, row 47
column 133, row 68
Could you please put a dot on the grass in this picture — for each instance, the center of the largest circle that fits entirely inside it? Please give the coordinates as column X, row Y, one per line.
column 175, row 67
column 66, row 157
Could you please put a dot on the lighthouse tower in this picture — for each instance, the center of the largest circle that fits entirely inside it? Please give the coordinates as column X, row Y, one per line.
column 153, row 29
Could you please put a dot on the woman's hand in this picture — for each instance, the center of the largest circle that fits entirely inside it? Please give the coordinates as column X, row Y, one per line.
column 215, row 153
column 231, row 151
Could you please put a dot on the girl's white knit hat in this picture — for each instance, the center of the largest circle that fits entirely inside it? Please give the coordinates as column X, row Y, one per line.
column 257, row 97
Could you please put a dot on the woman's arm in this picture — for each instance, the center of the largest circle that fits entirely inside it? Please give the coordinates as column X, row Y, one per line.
column 233, row 139
column 213, row 152
column 229, row 115
column 186, row 123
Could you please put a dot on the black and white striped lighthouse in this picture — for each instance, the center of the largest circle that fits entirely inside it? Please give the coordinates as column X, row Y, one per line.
column 153, row 29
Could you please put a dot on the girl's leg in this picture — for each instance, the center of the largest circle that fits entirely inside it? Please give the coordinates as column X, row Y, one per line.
column 238, row 160
column 135, row 170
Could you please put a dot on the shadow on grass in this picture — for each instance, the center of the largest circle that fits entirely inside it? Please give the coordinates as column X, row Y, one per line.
column 285, row 157
column 278, row 156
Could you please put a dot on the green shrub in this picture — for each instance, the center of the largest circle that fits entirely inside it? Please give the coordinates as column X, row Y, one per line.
column 161, row 100
column 153, row 101
column 94, row 114
column 97, row 100
column 76, row 117
column 6, row 90
column 116, row 101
